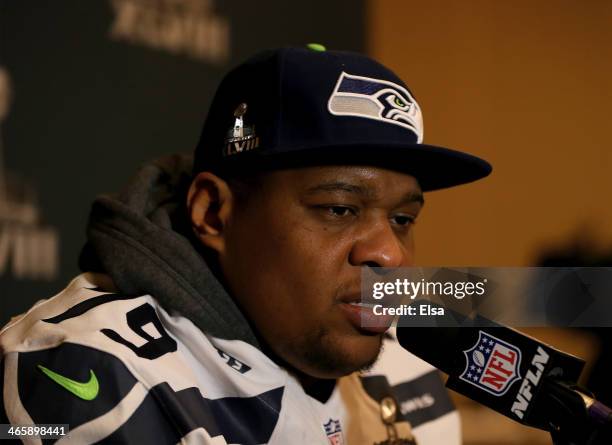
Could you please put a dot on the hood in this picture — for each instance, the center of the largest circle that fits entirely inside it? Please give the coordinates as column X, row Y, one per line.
column 143, row 240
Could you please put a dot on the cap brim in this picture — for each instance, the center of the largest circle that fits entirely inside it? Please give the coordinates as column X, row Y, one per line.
column 434, row 167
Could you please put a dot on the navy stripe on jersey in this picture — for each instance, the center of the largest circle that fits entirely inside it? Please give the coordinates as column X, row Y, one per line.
column 423, row 399
column 163, row 417
column 147, row 425
column 244, row 420
column 90, row 303
column 48, row 402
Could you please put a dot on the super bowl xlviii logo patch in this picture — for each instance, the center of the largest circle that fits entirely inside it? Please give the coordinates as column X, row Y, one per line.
column 376, row 99
column 334, row 432
column 492, row 364
column 240, row 137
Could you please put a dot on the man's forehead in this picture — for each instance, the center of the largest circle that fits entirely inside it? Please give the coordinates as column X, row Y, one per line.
column 369, row 181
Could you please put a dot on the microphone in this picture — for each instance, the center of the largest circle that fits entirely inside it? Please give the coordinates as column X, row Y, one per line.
column 512, row 373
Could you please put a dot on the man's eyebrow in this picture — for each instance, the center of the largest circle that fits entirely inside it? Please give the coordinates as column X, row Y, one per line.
column 414, row 196
column 339, row 186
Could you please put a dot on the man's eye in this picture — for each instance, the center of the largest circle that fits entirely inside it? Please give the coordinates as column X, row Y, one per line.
column 403, row 220
column 339, row 211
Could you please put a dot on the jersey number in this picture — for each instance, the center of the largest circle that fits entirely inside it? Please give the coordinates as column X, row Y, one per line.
column 155, row 346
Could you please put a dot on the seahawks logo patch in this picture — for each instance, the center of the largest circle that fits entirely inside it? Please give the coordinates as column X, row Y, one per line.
column 376, row 99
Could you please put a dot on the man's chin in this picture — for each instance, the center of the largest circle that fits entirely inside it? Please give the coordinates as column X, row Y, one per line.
column 334, row 356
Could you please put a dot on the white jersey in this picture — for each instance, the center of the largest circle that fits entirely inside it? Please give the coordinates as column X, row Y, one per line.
column 120, row 369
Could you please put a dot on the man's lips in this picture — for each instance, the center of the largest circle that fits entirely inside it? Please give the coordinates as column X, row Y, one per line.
column 360, row 313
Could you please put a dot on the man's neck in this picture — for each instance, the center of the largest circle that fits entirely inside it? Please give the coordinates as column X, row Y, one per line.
column 319, row 389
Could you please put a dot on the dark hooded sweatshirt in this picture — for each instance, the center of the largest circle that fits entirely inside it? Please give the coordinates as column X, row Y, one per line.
column 142, row 239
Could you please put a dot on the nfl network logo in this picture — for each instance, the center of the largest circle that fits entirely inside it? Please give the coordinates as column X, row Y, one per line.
column 492, row 364
column 334, row 432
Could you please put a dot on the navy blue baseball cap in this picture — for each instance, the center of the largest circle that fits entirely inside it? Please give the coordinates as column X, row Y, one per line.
column 297, row 106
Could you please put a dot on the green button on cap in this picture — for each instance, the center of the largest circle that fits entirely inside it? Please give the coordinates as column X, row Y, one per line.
column 316, row 47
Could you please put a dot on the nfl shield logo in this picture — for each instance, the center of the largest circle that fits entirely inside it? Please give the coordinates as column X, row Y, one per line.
column 492, row 364
column 334, row 432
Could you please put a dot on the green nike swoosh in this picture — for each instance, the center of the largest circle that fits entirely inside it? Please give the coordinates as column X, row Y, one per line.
column 86, row 391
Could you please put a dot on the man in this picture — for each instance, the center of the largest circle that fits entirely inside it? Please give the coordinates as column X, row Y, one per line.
column 223, row 306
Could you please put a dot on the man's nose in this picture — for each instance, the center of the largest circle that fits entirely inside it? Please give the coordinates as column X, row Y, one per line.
column 379, row 246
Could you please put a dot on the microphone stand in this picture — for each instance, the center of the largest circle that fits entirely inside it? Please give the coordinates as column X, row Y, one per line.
column 575, row 417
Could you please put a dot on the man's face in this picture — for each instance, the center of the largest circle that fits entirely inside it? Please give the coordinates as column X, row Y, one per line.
column 294, row 251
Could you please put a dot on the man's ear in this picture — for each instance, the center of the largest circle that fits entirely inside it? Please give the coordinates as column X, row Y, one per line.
column 209, row 203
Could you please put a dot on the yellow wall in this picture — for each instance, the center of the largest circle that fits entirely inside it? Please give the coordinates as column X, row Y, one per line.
column 528, row 86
